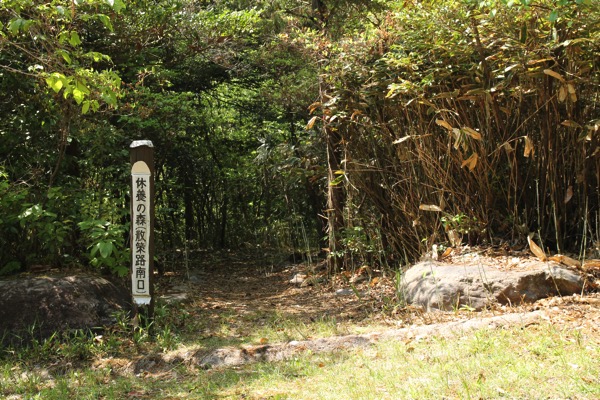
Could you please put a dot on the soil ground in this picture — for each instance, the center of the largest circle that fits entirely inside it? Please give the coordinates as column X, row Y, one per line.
column 239, row 284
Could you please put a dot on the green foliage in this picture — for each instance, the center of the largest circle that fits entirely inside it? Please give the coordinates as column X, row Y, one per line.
column 106, row 242
column 47, row 41
column 461, row 105
column 11, row 198
column 31, row 232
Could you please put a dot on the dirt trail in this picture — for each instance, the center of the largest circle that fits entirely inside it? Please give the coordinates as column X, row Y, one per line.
column 239, row 285
column 242, row 284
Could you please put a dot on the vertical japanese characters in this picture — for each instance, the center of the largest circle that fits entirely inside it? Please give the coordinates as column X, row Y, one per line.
column 140, row 175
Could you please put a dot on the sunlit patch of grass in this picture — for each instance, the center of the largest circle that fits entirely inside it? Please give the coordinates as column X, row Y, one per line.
column 538, row 362
column 534, row 362
column 277, row 327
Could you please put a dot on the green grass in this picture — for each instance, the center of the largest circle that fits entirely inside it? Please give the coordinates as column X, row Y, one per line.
column 539, row 361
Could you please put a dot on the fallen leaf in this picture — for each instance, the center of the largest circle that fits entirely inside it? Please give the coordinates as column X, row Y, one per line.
column 568, row 261
column 429, row 207
column 568, row 194
column 589, row 264
column 447, row 252
column 536, row 250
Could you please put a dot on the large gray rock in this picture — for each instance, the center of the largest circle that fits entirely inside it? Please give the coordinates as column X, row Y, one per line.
column 434, row 285
column 57, row 303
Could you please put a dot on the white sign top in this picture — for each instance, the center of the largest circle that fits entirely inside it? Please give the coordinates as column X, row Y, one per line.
column 140, row 143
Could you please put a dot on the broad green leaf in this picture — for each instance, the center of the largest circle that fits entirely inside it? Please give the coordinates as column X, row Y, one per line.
column 78, row 95
column 56, row 85
column 74, row 40
column 65, row 55
column 105, row 21
column 106, row 248
column 15, row 25
column 81, row 86
column 553, row 17
column 117, row 5
column 50, row 81
column 86, row 107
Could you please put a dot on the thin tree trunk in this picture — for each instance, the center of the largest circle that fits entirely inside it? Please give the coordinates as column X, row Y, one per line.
column 335, row 202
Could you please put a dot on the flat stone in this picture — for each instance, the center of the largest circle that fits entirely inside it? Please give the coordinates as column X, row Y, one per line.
column 433, row 285
column 344, row 292
column 55, row 303
column 298, row 278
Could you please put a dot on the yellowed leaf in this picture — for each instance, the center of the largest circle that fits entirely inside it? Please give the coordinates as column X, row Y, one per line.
column 402, row 139
column 472, row 132
column 528, row 147
column 311, row 122
column 570, row 123
column 562, row 94
column 447, row 252
column 443, row 123
column 573, row 97
column 471, row 162
column 568, row 194
column 536, row 250
column 591, row 264
column 554, row 74
column 314, row 106
column 532, row 62
column 505, row 110
column 458, row 138
column 568, row 261
column 355, row 114
column 430, row 207
column 571, row 88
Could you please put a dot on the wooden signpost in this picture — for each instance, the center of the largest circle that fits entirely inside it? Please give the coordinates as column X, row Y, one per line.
column 142, row 231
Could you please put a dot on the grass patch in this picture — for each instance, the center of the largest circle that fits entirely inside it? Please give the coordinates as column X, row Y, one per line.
column 537, row 362
column 540, row 361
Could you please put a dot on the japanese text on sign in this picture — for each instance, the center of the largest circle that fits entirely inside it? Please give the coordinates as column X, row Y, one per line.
column 140, row 195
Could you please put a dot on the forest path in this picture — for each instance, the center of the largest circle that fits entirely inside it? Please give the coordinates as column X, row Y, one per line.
column 244, row 291
column 221, row 309
column 237, row 283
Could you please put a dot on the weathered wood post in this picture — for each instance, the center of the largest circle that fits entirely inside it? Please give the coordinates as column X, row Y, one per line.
column 142, row 231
